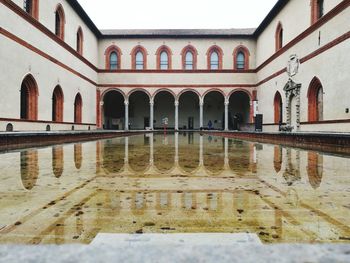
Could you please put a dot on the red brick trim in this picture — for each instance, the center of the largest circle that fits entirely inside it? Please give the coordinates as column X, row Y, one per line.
column 98, row 109
column 34, row 11
column 313, row 90
column 43, row 121
column 246, row 53
column 314, row 11
column 326, row 122
column 80, row 41
column 178, row 71
column 32, row 93
column 214, row 90
column 220, row 53
column 59, row 29
column 182, row 92
column 133, row 53
column 199, row 86
column 57, row 104
column 169, row 53
column 108, row 53
column 279, row 37
column 277, row 101
column 194, row 52
column 78, row 109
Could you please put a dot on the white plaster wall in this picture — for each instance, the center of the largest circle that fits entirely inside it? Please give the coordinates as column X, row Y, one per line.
column 47, row 10
column 295, row 18
column 176, row 46
column 329, row 67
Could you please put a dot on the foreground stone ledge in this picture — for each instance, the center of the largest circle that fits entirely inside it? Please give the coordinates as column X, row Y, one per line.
column 179, row 253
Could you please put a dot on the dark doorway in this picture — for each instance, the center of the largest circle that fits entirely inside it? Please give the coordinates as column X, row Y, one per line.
column 190, row 123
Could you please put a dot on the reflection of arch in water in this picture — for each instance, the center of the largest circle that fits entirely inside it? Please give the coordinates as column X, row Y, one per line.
column 139, row 154
column 213, row 157
column 188, row 153
column 29, row 168
column 113, row 156
column 57, row 161
column 164, row 154
column 315, row 169
column 239, row 156
column 277, row 158
column 78, row 156
column 292, row 171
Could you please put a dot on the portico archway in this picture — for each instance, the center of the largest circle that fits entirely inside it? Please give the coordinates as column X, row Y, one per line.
column 139, row 114
column 164, row 107
column 214, row 110
column 113, row 111
column 189, row 111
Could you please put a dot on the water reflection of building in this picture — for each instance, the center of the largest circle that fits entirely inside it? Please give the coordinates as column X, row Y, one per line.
column 315, row 169
column 181, row 154
column 57, row 161
column 29, row 168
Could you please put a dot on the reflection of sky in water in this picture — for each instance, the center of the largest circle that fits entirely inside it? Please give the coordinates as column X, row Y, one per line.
column 178, row 183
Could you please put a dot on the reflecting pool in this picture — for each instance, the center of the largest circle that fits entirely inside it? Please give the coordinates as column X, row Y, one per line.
column 179, row 183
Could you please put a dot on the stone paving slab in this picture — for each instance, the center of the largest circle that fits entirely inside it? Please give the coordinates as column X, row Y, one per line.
column 220, row 239
column 176, row 253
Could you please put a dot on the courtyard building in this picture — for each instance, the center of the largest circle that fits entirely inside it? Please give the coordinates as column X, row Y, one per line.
column 60, row 72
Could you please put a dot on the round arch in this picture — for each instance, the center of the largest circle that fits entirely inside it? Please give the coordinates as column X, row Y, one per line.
column 188, row 90
column 78, row 108
column 164, row 107
column 139, row 109
column 108, row 52
column 246, row 53
column 278, row 108
column 220, row 53
column 214, row 109
column 113, row 110
column 57, row 104
column 189, row 115
column 168, row 51
column 240, row 110
column 133, row 53
column 29, row 98
column 315, row 100
column 131, row 92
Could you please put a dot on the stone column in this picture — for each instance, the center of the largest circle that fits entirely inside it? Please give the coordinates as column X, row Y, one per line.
column 227, row 102
column 176, row 115
column 151, row 114
column 126, row 103
column 201, row 104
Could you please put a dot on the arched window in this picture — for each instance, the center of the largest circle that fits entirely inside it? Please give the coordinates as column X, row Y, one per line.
column 57, row 105
column 139, row 58
column 29, row 99
column 214, row 56
column 278, row 108
column 163, row 58
column 214, row 60
column 31, row 7
column 241, row 58
column 317, row 10
column 315, row 100
column 80, row 40
column 113, row 61
column 78, row 108
column 113, row 57
column 279, row 37
column 59, row 22
column 189, row 58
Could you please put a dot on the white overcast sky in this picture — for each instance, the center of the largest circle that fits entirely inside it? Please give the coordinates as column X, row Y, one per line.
column 177, row 14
